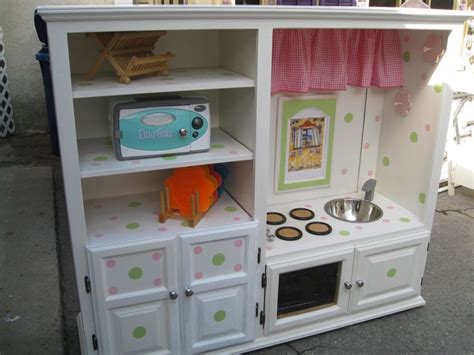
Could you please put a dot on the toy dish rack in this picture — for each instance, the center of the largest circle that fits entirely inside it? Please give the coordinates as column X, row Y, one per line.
column 131, row 54
column 167, row 212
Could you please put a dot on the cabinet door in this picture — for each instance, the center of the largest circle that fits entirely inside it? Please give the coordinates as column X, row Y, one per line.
column 218, row 281
column 307, row 289
column 131, row 288
column 388, row 272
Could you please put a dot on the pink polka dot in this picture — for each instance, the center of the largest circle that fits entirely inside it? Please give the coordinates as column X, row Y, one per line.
column 156, row 256
column 370, row 173
column 136, row 161
column 233, row 152
column 427, row 128
column 386, row 220
column 359, row 227
column 236, row 219
column 198, row 275
column 324, row 218
column 156, row 212
column 113, row 290
column 378, row 118
column 269, row 247
column 390, row 207
column 308, row 205
column 98, row 235
column 344, row 171
column 157, row 282
column 424, row 76
column 97, row 205
column 237, row 267
column 198, row 250
column 238, row 243
column 110, row 263
column 163, row 229
column 113, row 218
column 366, row 146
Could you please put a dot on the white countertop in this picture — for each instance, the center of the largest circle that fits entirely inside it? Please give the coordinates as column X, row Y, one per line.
column 395, row 220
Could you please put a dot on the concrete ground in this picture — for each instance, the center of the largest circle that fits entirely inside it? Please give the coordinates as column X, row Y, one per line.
column 38, row 301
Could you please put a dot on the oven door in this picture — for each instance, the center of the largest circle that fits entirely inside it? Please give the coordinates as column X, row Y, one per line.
column 307, row 289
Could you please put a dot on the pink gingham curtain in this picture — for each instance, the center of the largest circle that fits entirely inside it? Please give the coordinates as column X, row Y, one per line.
column 331, row 59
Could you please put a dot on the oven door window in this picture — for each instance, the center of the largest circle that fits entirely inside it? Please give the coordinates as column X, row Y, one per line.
column 308, row 290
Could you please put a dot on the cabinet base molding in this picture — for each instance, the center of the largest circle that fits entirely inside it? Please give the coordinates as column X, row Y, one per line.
column 322, row 327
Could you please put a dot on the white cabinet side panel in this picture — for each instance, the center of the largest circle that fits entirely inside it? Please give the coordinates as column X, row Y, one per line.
column 406, row 155
column 59, row 57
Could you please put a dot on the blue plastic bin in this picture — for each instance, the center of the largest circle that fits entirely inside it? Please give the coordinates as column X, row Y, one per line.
column 43, row 58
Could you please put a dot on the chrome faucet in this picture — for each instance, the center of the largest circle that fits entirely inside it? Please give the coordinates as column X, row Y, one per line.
column 369, row 189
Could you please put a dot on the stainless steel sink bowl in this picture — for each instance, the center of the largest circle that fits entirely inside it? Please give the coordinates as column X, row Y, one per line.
column 353, row 210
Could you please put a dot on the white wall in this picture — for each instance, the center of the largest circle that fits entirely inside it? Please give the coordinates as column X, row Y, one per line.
column 21, row 45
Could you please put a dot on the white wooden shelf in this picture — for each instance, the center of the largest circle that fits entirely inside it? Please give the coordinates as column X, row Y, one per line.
column 135, row 217
column 396, row 220
column 177, row 80
column 97, row 157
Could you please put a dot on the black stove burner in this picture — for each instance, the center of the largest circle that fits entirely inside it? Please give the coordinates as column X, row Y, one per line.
column 275, row 218
column 288, row 233
column 302, row 214
column 318, row 228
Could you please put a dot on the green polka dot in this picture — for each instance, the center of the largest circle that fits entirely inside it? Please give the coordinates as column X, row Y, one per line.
column 218, row 259
column 217, row 146
column 139, row 332
column 100, row 158
column 404, row 220
column 135, row 273
column 132, row 225
column 230, row 209
column 386, row 161
column 219, row 316
column 108, row 142
column 185, row 223
column 422, row 198
column 392, row 272
column 414, row 137
column 345, row 233
column 406, row 56
column 348, row 117
column 134, row 204
column 438, row 88
column 170, row 157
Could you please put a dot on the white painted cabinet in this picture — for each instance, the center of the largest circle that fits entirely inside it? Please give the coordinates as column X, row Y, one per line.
column 144, row 306
column 316, row 287
column 197, row 289
column 388, row 272
column 218, row 279
column 131, row 285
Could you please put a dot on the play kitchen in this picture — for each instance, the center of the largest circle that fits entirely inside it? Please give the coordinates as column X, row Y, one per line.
column 304, row 205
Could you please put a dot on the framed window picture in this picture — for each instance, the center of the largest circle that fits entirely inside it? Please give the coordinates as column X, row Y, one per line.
column 304, row 142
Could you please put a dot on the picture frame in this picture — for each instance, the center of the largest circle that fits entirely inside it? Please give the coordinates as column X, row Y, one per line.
column 304, row 142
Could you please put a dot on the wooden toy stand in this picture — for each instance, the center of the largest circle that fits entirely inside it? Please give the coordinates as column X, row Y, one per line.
column 167, row 212
column 131, row 54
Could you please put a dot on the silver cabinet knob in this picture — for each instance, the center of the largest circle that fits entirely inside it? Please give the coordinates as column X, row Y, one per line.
column 183, row 132
column 347, row 285
column 360, row 283
column 188, row 292
column 173, row 295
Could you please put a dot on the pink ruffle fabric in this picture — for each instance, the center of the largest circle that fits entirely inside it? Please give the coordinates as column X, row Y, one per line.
column 331, row 59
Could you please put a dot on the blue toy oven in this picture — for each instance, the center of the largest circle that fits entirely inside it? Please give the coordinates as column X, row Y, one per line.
column 151, row 128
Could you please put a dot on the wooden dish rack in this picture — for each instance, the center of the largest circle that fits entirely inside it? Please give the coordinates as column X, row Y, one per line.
column 131, row 54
